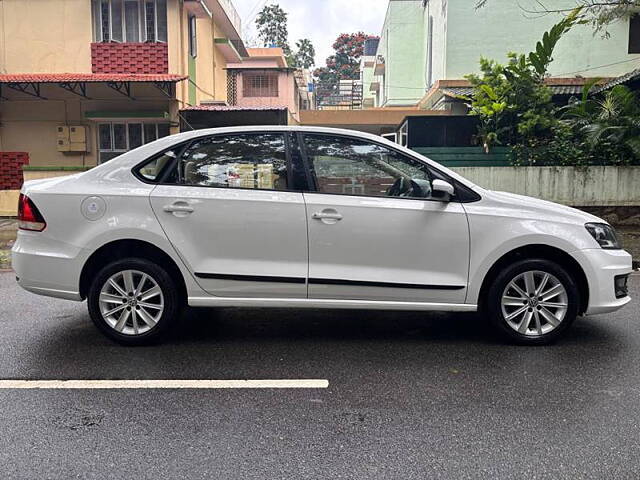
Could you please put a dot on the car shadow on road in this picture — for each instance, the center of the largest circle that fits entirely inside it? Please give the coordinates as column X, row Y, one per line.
column 203, row 325
column 269, row 343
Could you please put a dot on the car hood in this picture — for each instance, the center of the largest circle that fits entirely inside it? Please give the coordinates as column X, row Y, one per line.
column 537, row 209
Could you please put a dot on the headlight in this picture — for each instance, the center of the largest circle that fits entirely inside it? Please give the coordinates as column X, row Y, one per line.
column 605, row 235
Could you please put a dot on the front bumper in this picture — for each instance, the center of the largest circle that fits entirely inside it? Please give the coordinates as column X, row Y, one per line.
column 47, row 267
column 601, row 268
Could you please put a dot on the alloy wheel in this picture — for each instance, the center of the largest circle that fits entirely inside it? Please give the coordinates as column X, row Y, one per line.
column 131, row 302
column 534, row 303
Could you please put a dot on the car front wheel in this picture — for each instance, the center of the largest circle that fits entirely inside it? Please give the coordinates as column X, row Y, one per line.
column 533, row 302
column 133, row 301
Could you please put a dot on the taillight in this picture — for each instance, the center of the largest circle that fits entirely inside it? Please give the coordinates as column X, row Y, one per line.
column 29, row 217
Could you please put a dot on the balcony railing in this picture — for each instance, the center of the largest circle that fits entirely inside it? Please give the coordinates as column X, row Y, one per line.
column 232, row 14
column 347, row 95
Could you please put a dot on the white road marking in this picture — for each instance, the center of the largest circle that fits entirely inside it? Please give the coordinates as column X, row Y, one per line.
column 162, row 384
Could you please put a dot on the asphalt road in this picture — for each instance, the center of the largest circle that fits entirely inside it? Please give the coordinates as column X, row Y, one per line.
column 410, row 396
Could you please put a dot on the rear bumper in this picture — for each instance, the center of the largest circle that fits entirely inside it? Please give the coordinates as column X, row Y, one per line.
column 47, row 267
column 601, row 268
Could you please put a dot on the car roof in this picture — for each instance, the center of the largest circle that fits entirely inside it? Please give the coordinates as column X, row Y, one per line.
column 274, row 128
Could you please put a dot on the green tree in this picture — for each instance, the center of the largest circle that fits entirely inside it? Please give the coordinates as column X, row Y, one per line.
column 273, row 30
column 271, row 23
column 512, row 101
column 345, row 63
column 607, row 127
column 305, row 53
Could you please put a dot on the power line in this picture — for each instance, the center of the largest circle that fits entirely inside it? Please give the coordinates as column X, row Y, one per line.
column 595, row 68
column 254, row 11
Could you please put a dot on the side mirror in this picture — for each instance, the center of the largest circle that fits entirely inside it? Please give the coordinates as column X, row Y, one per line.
column 442, row 190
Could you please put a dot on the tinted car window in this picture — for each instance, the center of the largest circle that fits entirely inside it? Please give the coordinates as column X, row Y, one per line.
column 152, row 170
column 354, row 167
column 256, row 161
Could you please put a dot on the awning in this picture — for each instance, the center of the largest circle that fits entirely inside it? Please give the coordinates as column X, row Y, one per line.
column 233, row 108
column 76, row 83
column 89, row 77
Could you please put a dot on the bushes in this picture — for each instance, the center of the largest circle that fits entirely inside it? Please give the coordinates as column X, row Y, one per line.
column 515, row 108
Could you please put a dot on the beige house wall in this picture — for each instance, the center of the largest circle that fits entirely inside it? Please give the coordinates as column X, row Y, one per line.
column 45, row 36
column 29, row 125
column 55, row 36
column 219, row 68
column 211, row 74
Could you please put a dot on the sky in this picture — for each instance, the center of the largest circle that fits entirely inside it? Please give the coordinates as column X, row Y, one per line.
column 320, row 20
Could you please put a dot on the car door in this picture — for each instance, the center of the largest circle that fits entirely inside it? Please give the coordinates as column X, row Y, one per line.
column 375, row 231
column 231, row 210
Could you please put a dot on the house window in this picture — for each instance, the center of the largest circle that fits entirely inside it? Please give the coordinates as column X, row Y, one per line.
column 634, row 34
column 117, row 138
column 260, row 84
column 193, row 41
column 130, row 20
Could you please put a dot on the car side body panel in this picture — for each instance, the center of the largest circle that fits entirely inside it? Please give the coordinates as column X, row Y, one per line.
column 238, row 242
column 50, row 262
column 502, row 222
column 422, row 246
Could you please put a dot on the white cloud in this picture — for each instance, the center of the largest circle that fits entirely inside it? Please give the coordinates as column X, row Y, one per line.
column 320, row 20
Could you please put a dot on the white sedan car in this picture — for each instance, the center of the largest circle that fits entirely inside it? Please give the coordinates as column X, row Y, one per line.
column 307, row 218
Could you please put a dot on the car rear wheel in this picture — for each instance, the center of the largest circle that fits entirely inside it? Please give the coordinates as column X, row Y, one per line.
column 133, row 301
column 533, row 302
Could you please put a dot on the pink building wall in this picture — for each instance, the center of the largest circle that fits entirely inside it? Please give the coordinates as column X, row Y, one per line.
column 286, row 94
column 267, row 59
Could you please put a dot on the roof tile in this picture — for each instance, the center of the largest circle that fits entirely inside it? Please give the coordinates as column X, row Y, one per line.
column 88, row 77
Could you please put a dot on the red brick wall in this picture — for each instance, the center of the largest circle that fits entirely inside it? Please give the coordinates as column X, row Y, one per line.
column 11, row 169
column 129, row 58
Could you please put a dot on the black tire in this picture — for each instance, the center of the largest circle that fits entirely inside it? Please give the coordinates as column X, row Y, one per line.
column 172, row 302
column 494, row 307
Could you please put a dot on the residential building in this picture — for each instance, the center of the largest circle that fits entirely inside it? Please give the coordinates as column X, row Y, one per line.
column 85, row 80
column 306, row 94
column 399, row 77
column 261, row 90
column 263, row 79
column 426, row 41
column 347, row 94
column 367, row 64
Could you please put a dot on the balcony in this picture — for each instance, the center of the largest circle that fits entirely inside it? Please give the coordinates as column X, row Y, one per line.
column 230, row 49
column 226, row 17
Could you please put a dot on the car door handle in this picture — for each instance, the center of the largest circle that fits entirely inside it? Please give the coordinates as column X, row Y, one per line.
column 178, row 207
column 327, row 215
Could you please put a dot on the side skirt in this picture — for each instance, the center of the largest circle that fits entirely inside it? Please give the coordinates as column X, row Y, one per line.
column 327, row 303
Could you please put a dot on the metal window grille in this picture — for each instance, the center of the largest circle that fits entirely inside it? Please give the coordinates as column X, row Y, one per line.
column 232, row 88
column 150, row 21
column 193, row 42
column 130, row 20
column 115, row 138
column 259, row 84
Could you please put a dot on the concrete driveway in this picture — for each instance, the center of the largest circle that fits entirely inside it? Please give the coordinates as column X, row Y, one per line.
column 410, row 396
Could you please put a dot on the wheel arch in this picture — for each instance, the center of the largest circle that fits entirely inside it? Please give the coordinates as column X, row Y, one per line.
column 124, row 248
column 541, row 251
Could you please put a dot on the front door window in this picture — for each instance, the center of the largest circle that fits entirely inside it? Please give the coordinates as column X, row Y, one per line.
column 351, row 166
